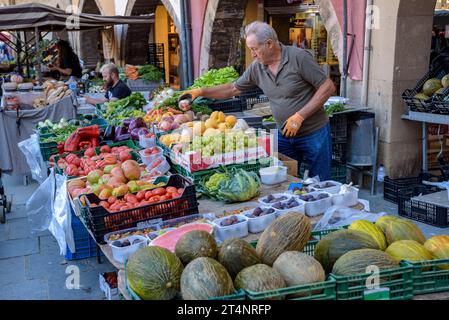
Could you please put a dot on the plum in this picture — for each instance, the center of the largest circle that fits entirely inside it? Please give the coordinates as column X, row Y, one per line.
column 117, row 244
column 257, row 211
column 126, row 243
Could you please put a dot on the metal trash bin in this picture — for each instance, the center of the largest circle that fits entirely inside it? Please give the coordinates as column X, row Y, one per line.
column 361, row 139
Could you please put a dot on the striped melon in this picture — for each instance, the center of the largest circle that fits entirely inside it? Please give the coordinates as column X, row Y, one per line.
column 358, row 261
column 369, row 228
column 290, row 232
column 205, row 278
column 404, row 230
column 409, row 250
column 384, row 221
column 337, row 243
column 236, row 254
column 298, row 268
column 195, row 244
column 154, row 273
column 438, row 246
column 259, row 278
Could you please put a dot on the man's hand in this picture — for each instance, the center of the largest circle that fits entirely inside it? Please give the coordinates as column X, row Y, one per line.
column 293, row 125
column 191, row 95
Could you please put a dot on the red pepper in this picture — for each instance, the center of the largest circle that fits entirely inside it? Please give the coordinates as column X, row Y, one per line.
column 61, row 147
column 84, row 145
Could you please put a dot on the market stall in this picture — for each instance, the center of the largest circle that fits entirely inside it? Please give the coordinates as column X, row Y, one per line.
column 178, row 188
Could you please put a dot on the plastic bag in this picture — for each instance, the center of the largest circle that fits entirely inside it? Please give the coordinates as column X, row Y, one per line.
column 48, row 208
column 30, row 148
column 338, row 216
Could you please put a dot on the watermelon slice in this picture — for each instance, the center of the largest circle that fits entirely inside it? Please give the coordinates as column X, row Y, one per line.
column 169, row 239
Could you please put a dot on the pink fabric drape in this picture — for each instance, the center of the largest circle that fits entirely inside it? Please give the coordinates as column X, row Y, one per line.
column 197, row 9
column 356, row 27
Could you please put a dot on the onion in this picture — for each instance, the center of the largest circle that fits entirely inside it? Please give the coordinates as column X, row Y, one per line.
column 180, row 119
column 165, row 125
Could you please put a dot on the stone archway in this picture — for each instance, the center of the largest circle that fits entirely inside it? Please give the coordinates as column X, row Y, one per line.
column 91, row 40
column 400, row 54
column 221, row 33
column 135, row 37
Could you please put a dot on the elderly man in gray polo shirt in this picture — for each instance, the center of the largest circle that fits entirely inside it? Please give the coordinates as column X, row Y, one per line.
column 297, row 88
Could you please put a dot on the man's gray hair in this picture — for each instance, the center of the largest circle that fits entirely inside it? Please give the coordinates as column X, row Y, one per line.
column 111, row 68
column 262, row 30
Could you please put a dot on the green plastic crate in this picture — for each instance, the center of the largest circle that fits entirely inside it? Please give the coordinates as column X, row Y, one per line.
column 48, row 149
column 198, row 176
column 428, row 277
column 398, row 280
column 338, row 171
column 315, row 291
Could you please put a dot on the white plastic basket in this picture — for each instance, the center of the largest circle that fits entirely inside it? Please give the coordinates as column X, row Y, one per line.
column 121, row 254
column 259, row 224
column 239, row 230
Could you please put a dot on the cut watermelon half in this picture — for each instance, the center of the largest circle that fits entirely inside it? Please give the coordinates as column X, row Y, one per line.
column 169, row 239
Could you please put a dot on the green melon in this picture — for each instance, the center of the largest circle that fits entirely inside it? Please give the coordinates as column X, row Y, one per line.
column 196, row 244
column 404, row 230
column 205, row 278
column 374, row 231
column 259, row 278
column 431, row 86
column 290, row 232
column 445, row 81
column 440, row 91
column 298, row 268
column 236, row 254
column 421, row 96
column 384, row 221
column 357, row 262
column 337, row 243
column 408, row 250
column 154, row 273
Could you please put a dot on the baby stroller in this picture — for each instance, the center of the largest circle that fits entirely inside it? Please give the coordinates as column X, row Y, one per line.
column 5, row 205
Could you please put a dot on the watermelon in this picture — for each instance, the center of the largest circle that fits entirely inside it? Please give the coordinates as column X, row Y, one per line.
column 154, row 273
column 431, row 86
column 371, row 229
column 404, row 230
column 236, row 254
column 289, row 232
column 357, row 262
column 259, row 278
column 169, row 239
column 195, row 244
column 205, row 278
column 409, row 250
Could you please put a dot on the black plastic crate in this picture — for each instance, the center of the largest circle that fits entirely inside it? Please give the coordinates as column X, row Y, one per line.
column 392, row 186
column 339, row 152
column 439, row 69
column 250, row 97
column 339, row 128
column 103, row 221
column 422, row 211
column 226, row 106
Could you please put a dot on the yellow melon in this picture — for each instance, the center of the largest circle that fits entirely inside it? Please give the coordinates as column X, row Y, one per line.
column 211, row 124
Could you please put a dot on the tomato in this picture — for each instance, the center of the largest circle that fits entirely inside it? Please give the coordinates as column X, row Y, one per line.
column 112, row 200
column 131, row 198
column 140, row 195
column 163, row 198
column 169, row 196
column 104, row 204
column 180, row 191
column 145, row 203
column 159, row 192
column 125, row 207
column 148, row 194
column 172, row 190
column 152, row 200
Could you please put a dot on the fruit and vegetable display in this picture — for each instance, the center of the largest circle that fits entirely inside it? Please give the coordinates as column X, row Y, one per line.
column 236, row 185
column 122, row 235
column 433, row 87
column 130, row 129
column 119, row 199
column 290, row 204
column 131, row 107
column 148, row 73
column 270, row 199
column 314, row 197
column 229, row 221
column 260, row 212
column 55, row 91
column 125, row 243
column 215, row 77
column 91, row 160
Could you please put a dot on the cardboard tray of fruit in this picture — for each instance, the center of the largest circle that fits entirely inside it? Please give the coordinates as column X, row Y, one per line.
column 127, row 211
